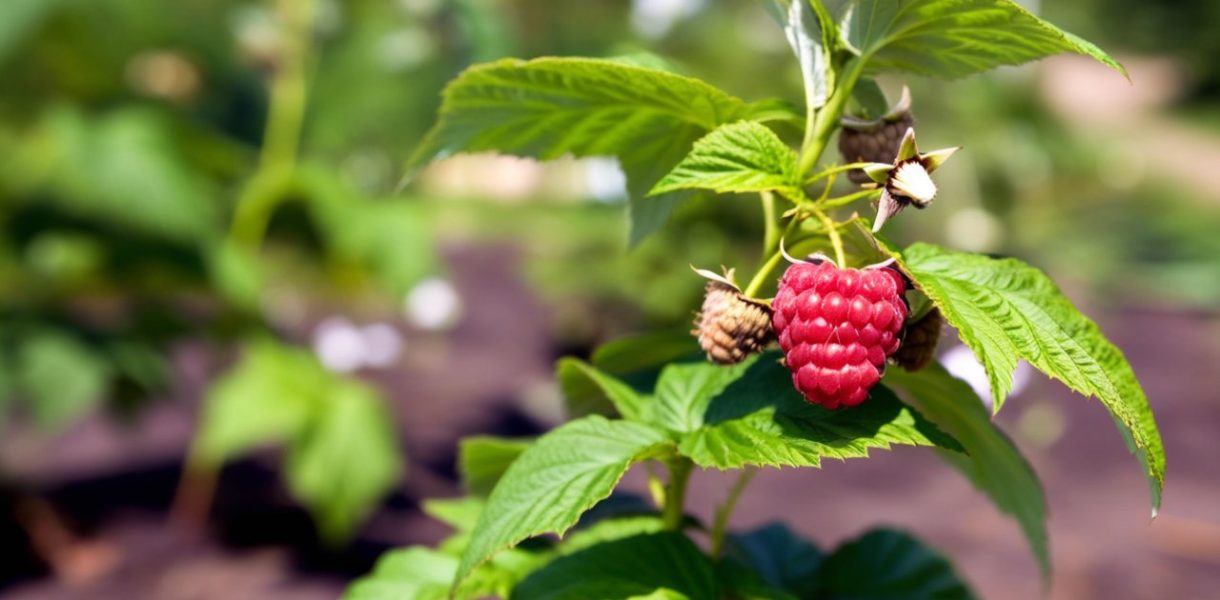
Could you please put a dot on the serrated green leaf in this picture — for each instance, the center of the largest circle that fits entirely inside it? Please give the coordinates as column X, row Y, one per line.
column 590, row 391
column 739, row 157
column 547, row 107
column 641, row 566
column 954, row 38
column 991, row 462
column 482, row 461
column 347, row 459
column 779, row 557
column 562, row 475
column 885, row 564
column 1006, row 310
column 751, row 415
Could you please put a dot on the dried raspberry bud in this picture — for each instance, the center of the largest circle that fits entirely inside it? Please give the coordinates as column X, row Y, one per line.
column 907, row 180
column 837, row 327
column 875, row 141
column 730, row 326
column 919, row 343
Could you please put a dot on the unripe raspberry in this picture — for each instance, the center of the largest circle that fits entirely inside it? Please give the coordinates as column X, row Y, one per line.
column 919, row 342
column 837, row 327
column 730, row 326
column 872, row 141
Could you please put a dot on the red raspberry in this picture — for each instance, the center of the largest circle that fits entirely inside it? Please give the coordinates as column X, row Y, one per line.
column 837, row 327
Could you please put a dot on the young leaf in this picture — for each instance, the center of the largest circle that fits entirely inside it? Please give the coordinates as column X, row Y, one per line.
column 811, row 42
column 482, row 461
column 952, row 39
column 739, row 157
column 751, row 415
column 547, row 107
column 780, row 558
column 991, row 461
column 886, row 564
column 61, row 378
column 563, row 474
column 1006, row 310
column 633, row 567
column 347, row 460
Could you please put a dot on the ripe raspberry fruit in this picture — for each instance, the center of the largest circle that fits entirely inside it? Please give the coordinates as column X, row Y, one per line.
column 730, row 326
column 837, row 327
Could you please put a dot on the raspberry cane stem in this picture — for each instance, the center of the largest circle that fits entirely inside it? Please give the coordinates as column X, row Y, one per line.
column 835, row 240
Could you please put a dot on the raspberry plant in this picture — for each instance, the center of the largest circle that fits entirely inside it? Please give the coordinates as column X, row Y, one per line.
column 838, row 317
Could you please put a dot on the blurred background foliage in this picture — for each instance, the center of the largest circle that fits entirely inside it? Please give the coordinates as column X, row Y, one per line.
column 132, row 144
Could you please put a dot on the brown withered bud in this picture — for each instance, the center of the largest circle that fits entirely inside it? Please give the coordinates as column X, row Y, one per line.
column 730, row 326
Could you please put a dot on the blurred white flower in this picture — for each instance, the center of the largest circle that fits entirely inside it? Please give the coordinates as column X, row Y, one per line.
column 382, row 344
column 961, row 363
column 604, row 179
column 339, row 345
column 433, row 304
column 654, row 18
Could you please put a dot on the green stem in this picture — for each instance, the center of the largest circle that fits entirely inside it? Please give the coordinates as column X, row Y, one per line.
column 848, row 199
column 771, row 231
column 725, row 510
column 835, row 240
column 673, row 512
column 817, row 133
column 836, row 169
column 285, row 119
column 773, row 260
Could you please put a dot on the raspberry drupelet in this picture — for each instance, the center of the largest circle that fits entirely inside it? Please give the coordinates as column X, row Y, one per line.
column 837, row 327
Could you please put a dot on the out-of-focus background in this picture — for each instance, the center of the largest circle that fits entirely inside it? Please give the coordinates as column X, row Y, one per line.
column 202, row 401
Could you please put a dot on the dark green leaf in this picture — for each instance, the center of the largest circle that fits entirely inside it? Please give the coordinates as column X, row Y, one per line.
column 482, row 461
column 991, row 461
column 1006, row 310
column 954, row 38
column 638, row 566
column 779, row 557
column 886, row 564
column 634, row 353
column 560, row 476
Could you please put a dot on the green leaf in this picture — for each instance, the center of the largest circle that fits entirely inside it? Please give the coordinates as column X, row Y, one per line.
column 1006, row 310
column 459, row 513
column 811, row 43
column 590, row 391
column 886, row 564
column 870, row 100
column 634, row 567
column 482, row 461
column 760, row 419
column 954, row 38
column 645, row 351
column 61, row 377
column 269, row 397
column 548, row 107
column 562, row 475
column 991, row 461
column 416, row 572
column 780, row 558
column 684, row 390
column 739, row 157
column 610, row 529
column 346, row 460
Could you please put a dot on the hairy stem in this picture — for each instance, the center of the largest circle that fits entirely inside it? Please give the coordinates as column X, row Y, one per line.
column 818, row 132
column 835, row 240
column 725, row 510
column 675, row 493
